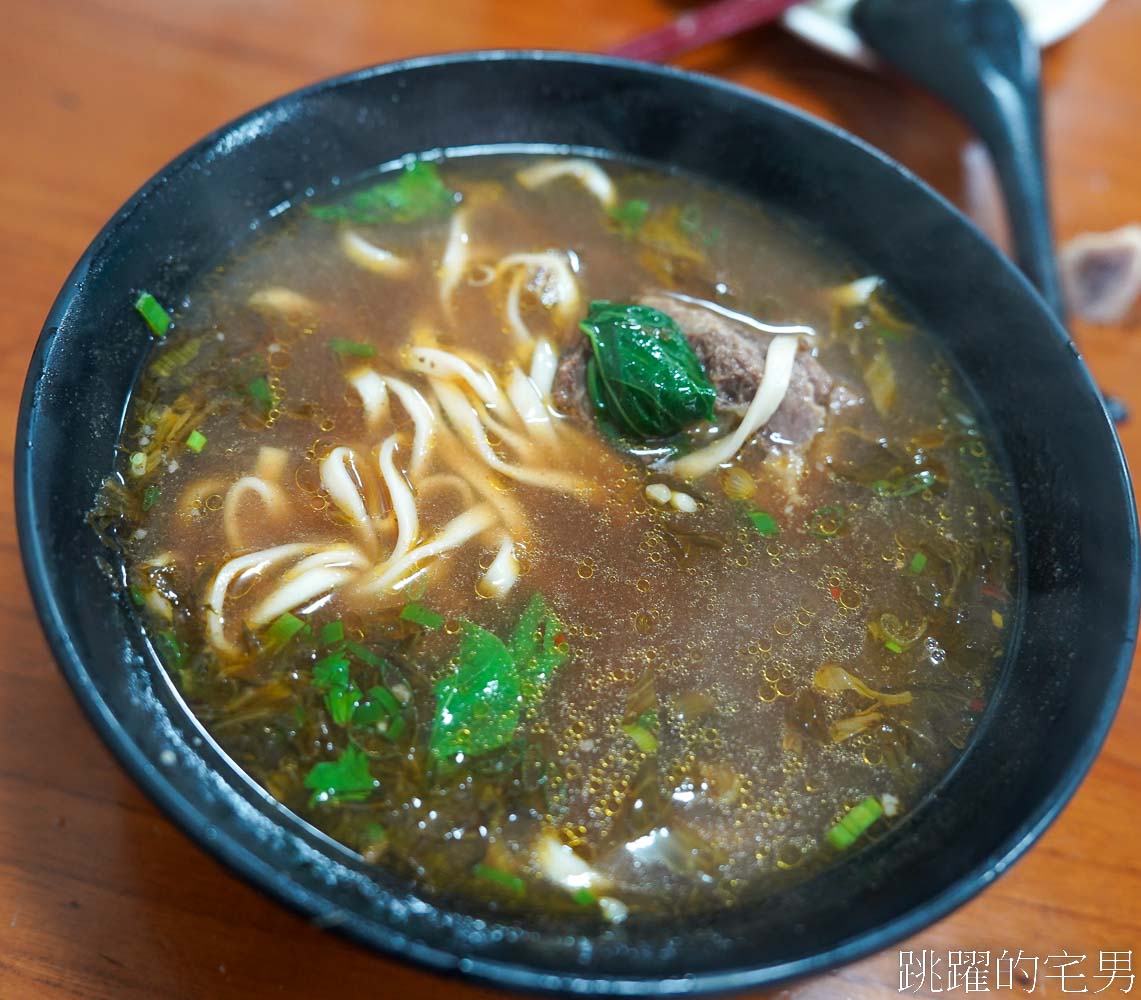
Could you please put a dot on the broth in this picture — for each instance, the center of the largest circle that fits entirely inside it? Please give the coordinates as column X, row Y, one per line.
column 412, row 585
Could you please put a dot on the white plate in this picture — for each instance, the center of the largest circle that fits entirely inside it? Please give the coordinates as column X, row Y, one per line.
column 824, row 24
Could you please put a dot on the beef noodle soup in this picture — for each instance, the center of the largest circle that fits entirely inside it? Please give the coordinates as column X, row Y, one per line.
column 565, row 536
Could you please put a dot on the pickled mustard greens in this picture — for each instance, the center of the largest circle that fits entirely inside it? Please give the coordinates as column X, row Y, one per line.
column 565, row 537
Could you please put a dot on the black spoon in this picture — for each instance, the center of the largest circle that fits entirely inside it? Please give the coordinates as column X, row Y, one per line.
column 977, row 56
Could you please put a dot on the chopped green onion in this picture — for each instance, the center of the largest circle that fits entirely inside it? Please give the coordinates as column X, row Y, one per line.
column 643, row 739
column 170, row 649
column 158, row 319
column 584, row 897
column 764, row 523
column 366, row 656
column 137, row 597
column 196, row 442
column 284, row 629
column 420, row 615
column 512, row 883
column 262, row 394
column 918, row 563
column 893, row 646
column 352, row 348
column 138, row 464
column 630, row 215
column 331, row 632
column 150, row 497
column 855, row 822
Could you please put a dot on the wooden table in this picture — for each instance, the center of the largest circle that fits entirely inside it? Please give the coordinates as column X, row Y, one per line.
column 99, row 895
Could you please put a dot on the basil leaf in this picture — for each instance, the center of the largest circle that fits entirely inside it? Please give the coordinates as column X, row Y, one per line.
column 477, row 707
column 643, row 376
column 346, row 779
column 418, row 193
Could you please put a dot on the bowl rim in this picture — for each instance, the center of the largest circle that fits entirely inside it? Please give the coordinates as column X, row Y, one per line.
column 254, row 871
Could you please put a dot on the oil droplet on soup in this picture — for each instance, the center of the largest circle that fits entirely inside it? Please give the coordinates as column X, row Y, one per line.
column 442, row 505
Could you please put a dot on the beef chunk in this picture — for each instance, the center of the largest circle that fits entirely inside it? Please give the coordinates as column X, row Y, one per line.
column 734, row 359
column 569, row 389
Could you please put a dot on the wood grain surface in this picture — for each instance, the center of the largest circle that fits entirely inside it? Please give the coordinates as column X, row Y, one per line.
column 99, row 895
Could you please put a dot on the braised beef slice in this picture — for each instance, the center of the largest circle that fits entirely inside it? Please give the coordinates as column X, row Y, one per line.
column 733, row 356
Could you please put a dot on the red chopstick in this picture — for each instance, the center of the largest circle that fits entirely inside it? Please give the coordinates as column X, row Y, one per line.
column 701, row 27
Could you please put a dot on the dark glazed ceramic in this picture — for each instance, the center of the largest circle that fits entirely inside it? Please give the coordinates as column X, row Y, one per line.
column 1078, row 610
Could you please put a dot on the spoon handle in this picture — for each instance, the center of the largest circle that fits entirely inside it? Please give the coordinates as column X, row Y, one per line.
column 977, row 56
column 1008, row 116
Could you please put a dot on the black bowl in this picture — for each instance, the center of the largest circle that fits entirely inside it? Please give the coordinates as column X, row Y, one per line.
column 1079, row 557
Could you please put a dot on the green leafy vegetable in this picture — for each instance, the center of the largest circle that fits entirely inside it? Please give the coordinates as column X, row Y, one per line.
column 918, row 563
column 420, row 615
column 855, row 822
column 764, row 523
column 643, row 739
column 262, row 394
column 150, row 497
column 342, row 696
column 386, row 699
column 512, row 883
column 630, row 215
column 905, row 486
column 196, row 441
column 584, row 897
column 537, row 647
column 284, row 629
column 417, row 193
column 342, row 703
column 643, row 376
column 331, row 671
column 158, row 319
column 478, row 707
column 331, row 632
column 352, row 348
column 346, row 779
column 396, row 728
